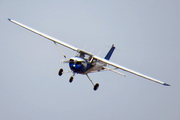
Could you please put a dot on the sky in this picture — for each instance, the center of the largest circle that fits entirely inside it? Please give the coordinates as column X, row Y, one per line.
column 145, row 33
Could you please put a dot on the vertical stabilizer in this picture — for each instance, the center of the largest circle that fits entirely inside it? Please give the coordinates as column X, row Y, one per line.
column 108, row 56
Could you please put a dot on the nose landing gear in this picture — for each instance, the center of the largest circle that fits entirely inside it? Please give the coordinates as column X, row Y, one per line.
column 71, row 78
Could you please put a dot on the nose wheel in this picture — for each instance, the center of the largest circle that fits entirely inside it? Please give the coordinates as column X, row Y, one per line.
column 71, row 78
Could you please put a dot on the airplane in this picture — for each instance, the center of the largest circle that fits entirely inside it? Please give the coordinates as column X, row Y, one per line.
column 85, row 62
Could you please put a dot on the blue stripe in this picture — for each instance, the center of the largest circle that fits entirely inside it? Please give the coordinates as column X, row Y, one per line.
column 108, row 56
column 166, row 84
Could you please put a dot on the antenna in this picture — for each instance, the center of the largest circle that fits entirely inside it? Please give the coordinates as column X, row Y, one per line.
column 99, row 53
column 84, row 47
column 91, row 50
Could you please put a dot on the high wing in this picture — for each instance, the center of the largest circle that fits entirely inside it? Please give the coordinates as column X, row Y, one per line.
column 130, row 71
column 44, row 35
column 88, row 53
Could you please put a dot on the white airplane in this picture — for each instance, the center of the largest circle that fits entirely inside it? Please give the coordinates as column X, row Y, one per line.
column 90, row 64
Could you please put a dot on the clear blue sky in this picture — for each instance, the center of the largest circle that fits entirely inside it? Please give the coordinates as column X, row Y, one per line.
column 146, row 34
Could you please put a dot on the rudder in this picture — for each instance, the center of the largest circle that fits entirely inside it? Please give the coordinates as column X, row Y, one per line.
column 108, row 56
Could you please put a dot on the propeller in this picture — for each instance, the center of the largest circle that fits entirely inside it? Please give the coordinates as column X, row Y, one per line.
column 65, row 61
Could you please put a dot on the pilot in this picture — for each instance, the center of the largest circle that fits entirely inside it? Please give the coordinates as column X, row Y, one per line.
column 82, row 55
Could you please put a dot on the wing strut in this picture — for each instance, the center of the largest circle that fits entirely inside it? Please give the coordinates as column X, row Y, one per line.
column 60, row 50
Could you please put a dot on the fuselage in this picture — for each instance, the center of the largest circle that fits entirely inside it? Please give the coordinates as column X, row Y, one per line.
column 83, row 66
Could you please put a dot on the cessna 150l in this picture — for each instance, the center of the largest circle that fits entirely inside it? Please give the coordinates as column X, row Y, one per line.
column 81, row 65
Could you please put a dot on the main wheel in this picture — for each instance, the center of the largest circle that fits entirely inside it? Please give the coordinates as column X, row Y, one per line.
column 96, row 86
column 71, row 79
column 60, row 72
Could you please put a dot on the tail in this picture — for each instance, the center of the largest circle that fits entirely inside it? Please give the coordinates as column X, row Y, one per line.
column 108, row 56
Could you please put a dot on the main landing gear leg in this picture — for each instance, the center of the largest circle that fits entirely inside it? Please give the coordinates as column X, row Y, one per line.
column 96, row 86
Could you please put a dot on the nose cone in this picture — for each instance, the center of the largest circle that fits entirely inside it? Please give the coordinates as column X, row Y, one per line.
column 77, row 68
column 72, row 66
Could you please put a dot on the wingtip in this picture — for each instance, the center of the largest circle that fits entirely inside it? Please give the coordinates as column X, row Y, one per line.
column 166, row 84
column 9, row 19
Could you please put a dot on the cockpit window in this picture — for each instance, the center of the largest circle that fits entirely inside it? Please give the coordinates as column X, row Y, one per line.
column 78, row 63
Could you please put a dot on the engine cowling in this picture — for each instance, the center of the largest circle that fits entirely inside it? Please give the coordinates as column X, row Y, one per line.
column 77, row 64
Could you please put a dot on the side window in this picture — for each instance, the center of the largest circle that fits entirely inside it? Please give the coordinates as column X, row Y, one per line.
column 78, row 63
